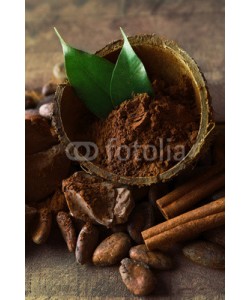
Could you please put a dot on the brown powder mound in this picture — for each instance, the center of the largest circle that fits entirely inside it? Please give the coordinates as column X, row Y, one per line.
column 145, row 136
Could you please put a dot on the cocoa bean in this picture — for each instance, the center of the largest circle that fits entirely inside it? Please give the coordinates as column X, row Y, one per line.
column 30, row 214
column 216, row 235
column 67, row 229
column 141, row 219
column 49, row 89
column 31, row 112
column 112, row 250
column 32, row 97
column 78, row 224
column 29, row 102
column 46, row 110
column 46, row 100
column 217, row 195
column 42, row 231
column 137, row 277
column 57, row 202
column 154, row 259
column 104, row 232
column 139, row 193
column 59, row 71
column 86, row 243
column 156, row 191
column 206, row 254
column 119, row 228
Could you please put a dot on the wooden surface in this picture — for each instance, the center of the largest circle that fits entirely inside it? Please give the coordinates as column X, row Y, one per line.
column 198, row 26
column 52, row 273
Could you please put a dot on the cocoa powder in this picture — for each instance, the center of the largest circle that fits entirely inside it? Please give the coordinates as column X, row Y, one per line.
column 166, row 122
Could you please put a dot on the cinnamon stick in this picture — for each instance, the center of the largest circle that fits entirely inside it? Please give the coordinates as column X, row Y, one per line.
column 185, row 226
column 189, row 185
column 185, row 196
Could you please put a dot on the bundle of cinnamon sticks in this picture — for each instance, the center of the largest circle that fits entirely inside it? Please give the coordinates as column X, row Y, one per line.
column 196, row 189
column 182, row 226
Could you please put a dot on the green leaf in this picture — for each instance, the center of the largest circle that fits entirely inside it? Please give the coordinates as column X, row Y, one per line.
column 129, row 75
column 90, row 76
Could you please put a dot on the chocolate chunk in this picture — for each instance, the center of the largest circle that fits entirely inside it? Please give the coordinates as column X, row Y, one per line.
column 91, row 198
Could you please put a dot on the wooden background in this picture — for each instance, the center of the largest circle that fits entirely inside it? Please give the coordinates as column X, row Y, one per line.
column 198, row 27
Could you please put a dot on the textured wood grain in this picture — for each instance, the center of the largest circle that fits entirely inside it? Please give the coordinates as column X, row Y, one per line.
column 198, row 27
